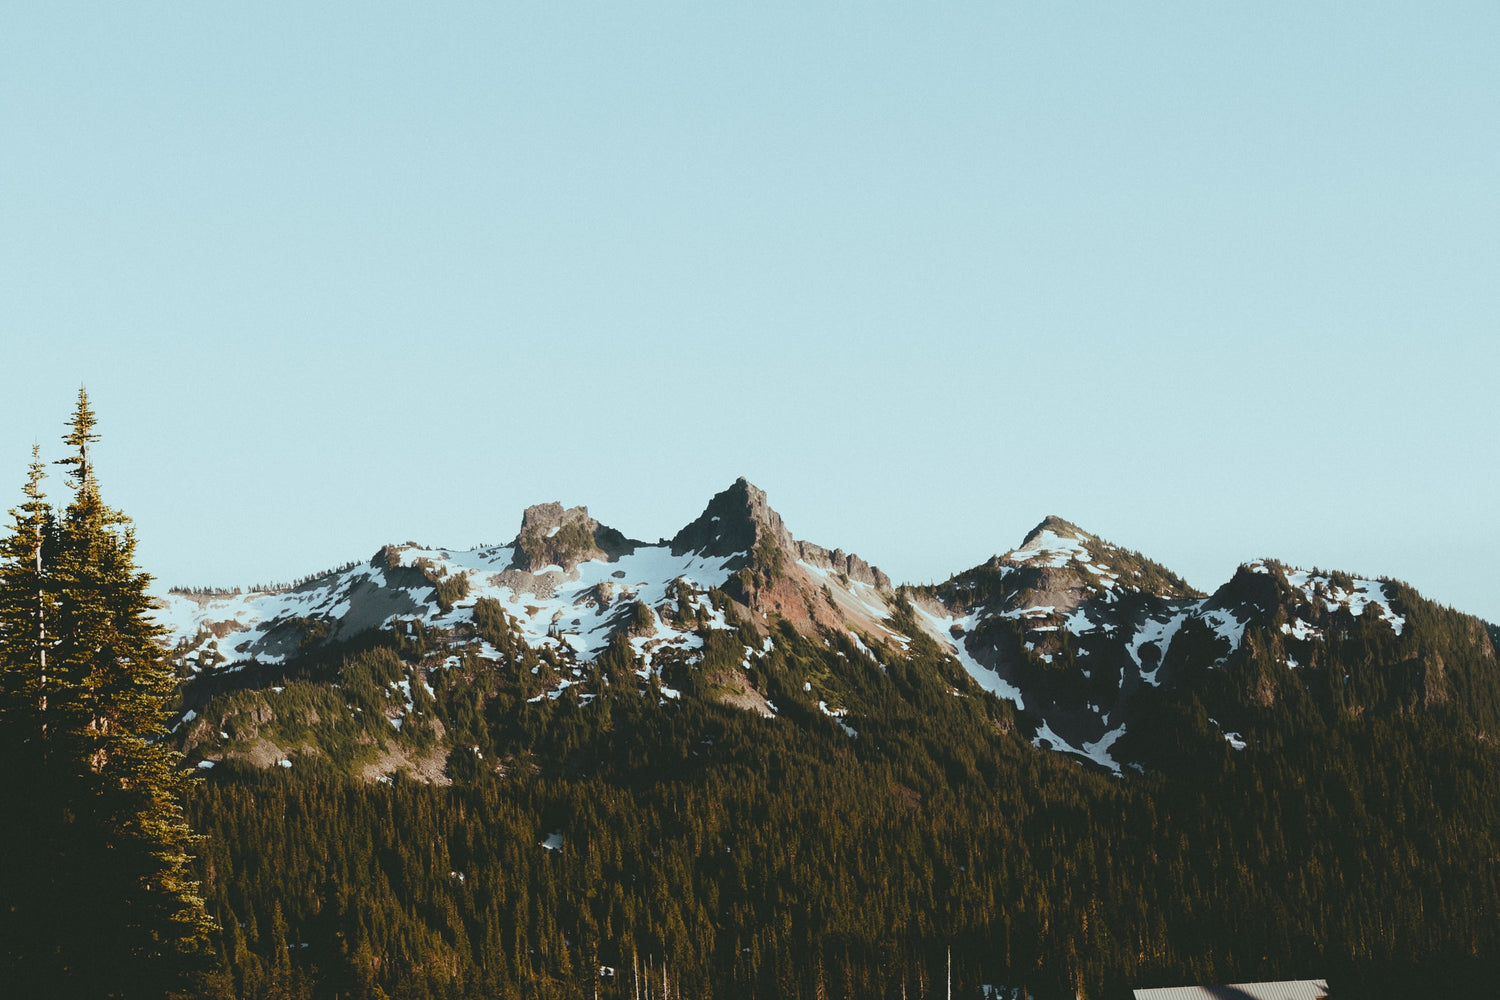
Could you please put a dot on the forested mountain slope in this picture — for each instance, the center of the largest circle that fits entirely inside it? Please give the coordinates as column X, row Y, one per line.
column 757, row 767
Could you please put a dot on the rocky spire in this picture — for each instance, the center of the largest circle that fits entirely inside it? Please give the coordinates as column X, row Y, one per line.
column 736, row 520
column 740, row 520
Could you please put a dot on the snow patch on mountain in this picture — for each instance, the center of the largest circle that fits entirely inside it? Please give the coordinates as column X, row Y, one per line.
column 1225, row 625
column 1031, row 612
column 661, row 637
column 1160, row 632
column 1301, row 630
column 1098, row 751
column 564, row 609
column 1046, row 738
column 941, row 628
column 1236, row 741
column 837, row 715
column 1361, row 596
column 1048, row 548
column 1079, row 622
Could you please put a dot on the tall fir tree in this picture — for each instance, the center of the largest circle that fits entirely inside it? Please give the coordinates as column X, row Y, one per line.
column 32, row 806
column 118, row 912
column 27, row 613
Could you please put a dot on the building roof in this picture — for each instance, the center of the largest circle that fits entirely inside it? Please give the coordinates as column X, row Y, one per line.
column 1297, row 989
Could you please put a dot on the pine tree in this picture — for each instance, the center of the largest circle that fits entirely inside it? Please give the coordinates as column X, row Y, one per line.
column 27, row 610
column 119, row 915
column 31, row 807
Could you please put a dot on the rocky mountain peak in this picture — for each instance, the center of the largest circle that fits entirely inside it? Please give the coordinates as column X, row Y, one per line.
column 1055, row 527
column 1054, row 542
column 735, row 520
column 540, row 516
column 741, row 520
column 1057, row 558
column 552, row 535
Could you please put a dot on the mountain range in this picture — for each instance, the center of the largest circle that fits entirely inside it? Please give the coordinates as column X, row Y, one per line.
column 1081, row 637
column 740, row 764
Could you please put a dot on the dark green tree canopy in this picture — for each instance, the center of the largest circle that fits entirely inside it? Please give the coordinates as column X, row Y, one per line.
column 99, row 896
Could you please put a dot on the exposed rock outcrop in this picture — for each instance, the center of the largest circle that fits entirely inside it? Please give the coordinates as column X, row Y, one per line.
column 736, row 520
column 740, row 520
column 552, row 535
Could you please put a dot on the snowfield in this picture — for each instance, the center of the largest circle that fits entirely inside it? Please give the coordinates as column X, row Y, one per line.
column 563, row 609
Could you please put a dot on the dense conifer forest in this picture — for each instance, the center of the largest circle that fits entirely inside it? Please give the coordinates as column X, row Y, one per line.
column 746, row 858
column 629, row 843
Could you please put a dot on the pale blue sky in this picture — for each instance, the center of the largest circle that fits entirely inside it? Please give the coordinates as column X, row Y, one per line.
column 1214, row 282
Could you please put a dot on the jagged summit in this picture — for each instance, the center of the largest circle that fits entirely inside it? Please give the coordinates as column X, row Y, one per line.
column 740, row 521
column 552, row 535
column 735, row 521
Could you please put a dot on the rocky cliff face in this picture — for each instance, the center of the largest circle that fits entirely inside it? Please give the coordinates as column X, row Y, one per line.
column 779, row 575
column 736, row 522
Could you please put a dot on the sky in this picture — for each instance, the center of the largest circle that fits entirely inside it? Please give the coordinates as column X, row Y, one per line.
column 1215, row 282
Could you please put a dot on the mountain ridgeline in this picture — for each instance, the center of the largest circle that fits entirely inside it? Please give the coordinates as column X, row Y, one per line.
column 732, row 763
